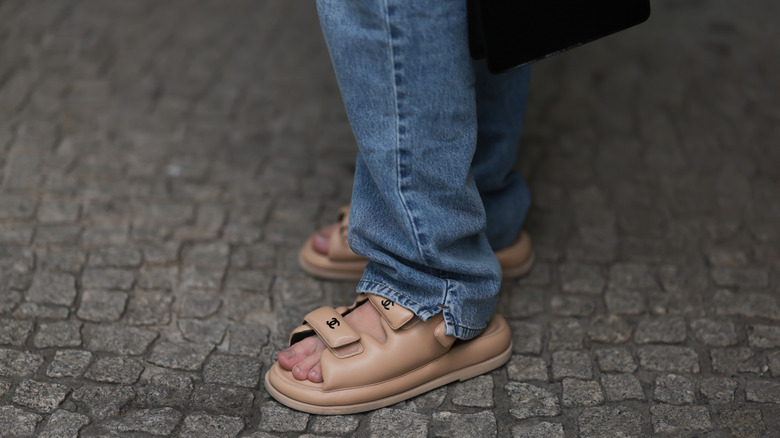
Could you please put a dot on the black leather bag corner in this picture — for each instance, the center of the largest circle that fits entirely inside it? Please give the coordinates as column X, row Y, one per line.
column 512, row 33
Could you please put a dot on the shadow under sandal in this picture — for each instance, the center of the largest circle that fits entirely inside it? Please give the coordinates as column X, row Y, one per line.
column 340, row 263
column 417, row 357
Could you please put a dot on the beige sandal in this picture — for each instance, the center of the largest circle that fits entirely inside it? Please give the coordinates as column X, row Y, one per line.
column 417, row 357
column 342, row 264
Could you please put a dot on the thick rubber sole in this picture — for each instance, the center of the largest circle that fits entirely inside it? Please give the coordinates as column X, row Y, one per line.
column 458, row 375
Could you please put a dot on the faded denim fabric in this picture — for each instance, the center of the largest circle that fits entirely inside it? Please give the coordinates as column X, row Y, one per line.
column 437, row 138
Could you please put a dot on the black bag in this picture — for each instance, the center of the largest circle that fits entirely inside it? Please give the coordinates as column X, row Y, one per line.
column 511, row 33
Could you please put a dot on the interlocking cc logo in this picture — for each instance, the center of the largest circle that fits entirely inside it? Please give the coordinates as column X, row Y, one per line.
column 333, row 323
column 387, row 303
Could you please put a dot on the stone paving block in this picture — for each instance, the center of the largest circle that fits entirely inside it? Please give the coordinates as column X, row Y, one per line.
column 123, row 256
column 18, row 422
column 102, row 401
column 335, row 424
column 609, row 421
column 64, row 424
column 155, row 421
column 40, row 396
column 69, row 363
column 743, row 277
column 715, row 333
column 223, row 400
column 202, row 425
column 773, row 360
column 388, row 422
column 249, row 281
column 208, row 331
column 673, row 389
column 449, row 424
column 16, row 207
column 241, row 306
column 668, row 359
column 52, row 288
column 182, row 356
column 581, row 393
column 567, row 305
column 753, row 305
column 14, row 332
column 677, row 278
column 581, row 278
column 9, row 299
column 119, row 339
column 566, row 334
column 232, row 370
column 57, row 234
column 524, row 302
column 118, row 369
column 615, row 360
column 4, row 387
column 571, row 364
column 158, row 253
column 247, row 339
column 668, row 330
column 476, row 392
column 107, row 278
column 625, row 302
column 298, row 292
column 40, row 311
column 98, row 305
column 542, row 429
column 525, row 368
column 158, row 277
column 743, row 423
column 527, row 338
column 69, row 260
column 206, row 255
column 735, row 360
column 528, row 401
column 278, row 418
column 680, row 419
column 762, row 391
column 164, row 389
column 718, row 389
column 56, row 212
column 428, row 401
column 609, row 329
column 259, row 255
column 149, row 308
column 619, row 387
column 16, row 234
column 632, row 275
column 764, row 336
column 19, row 363
column 58, row 334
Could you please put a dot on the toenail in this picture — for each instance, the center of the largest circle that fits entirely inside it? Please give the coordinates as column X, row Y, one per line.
column 288, row 353
column 313, row 374
column 296, row 370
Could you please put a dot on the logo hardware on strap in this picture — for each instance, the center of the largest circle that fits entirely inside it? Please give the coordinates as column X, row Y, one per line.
column 333, row 323
column 387, row 303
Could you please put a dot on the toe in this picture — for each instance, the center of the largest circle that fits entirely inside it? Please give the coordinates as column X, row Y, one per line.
column 315, row 374
column 321, row 241
column 304, row 366
column 289, row 357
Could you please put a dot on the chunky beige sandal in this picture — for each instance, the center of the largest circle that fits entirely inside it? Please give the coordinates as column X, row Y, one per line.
column 417, row 357
column 342, row 264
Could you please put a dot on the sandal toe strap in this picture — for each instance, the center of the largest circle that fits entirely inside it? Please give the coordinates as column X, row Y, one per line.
column 331, row 327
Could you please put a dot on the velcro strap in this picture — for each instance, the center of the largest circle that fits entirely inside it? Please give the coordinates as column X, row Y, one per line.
column 331, row 327
column 395, row 315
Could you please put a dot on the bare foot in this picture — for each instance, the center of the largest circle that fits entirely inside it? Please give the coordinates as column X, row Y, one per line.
column 303, row 358
column 321, row 240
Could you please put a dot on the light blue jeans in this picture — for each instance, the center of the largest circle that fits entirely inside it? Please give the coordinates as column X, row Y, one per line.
column 434, row 191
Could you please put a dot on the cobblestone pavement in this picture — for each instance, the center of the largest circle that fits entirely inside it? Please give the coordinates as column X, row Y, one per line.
column 162, row 161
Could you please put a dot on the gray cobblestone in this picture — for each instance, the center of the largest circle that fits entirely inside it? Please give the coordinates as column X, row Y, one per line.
column 615, row 359
column 529, row 302
column 735, row 360
column 476, row 392
column 680, row 419
column 64, row 424
column 164, row 389
column 115, row 370
column 115, row 257
column 107, row 278
column 744, row 422
column 18, row 422
column 102, row 401
column 198, row 304
column 158, row 277
column 248, row 339
column 669, row 358
column 39, row 396
column 120, row 340
column 528, row 401
column 181, row 356
column 19, row 363
column 52, row 288
column 581, row 278
column 625, row 302
column 609, row 329
column 451, row 424
column 54, row 212
column 69, row 363
column 527, row 338
column 715, row 333
column 764, row 336
column 102, row 305
column 335, row 424
column 674, row 389
column 277, row 418
column 149, row 308
column 566, row 305
column 40, row 311
column 670, row 330
column 223, row 400
column 392, row 422
column 58, row 334
column 156, row 421
column 609, row 421
column 542, row 429
column 762, row 391
column 232, row 370
column 773, row 361
column 8, row 300
column 525, row 368
column 199, row 424
column 571, row 364
column 619, row 387
column 13, row 332
column 718, row 389
column 195, row 330
column 565, row 334
column 581, row 393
